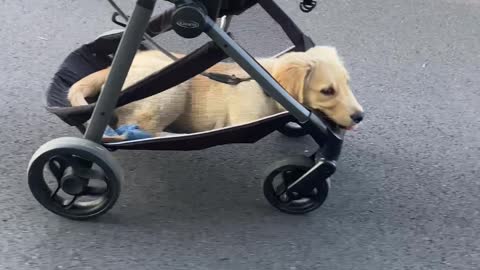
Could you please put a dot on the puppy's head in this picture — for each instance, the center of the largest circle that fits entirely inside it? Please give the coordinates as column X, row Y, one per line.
column 318, row 79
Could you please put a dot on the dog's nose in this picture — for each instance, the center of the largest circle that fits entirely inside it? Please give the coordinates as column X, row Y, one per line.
column 357, row 117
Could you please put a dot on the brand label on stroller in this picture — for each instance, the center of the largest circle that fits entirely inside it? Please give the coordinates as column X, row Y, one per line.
column 188, row 24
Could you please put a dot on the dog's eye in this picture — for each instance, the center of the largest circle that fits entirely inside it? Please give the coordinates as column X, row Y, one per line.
column 328, row 91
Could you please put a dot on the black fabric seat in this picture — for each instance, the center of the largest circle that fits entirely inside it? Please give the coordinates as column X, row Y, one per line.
column 235, row 7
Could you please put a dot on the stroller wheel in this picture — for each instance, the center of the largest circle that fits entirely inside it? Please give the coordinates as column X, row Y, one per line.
column 293, row 130
column 74, row 178
column 284, row 173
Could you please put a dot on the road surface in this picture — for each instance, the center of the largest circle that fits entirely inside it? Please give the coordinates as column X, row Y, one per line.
column 406, row 194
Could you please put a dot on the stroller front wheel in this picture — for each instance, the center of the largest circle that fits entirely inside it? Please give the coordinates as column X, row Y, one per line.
column 292, row 130
column 286, row 172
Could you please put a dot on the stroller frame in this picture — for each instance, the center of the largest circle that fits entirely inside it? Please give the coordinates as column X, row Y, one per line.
column 190, row 19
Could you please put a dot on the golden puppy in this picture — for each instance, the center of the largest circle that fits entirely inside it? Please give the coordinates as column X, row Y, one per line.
column 317, row 78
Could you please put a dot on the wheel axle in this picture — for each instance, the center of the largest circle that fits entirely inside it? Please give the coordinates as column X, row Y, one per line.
column 72, row 184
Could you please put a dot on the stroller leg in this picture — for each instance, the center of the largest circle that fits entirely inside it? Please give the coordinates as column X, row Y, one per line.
column 131, row 39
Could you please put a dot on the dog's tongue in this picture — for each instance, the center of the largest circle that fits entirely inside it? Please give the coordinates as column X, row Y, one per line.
column 351, row 128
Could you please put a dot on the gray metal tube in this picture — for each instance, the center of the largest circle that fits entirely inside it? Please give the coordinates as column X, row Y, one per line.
column 258, row 73
column 131, row 39
column 225, row 22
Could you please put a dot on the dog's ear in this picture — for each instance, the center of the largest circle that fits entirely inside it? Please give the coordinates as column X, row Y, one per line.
column 292, row 74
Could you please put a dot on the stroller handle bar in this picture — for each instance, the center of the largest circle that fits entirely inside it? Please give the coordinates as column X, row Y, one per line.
column 219, row 8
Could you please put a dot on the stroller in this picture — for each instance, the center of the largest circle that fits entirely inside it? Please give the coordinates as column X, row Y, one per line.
column 87, row 177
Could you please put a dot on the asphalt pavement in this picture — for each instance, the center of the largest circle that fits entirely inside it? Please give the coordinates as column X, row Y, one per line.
column 406, row 194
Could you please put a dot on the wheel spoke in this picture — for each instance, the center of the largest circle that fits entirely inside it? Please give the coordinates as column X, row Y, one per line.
column 89, row 173
column 313, row 194
column 291, row 176
column 280, row 189
column 94, row 191
column 288, row 177
column 55, row 192
column 57, row 167
column 71, row 202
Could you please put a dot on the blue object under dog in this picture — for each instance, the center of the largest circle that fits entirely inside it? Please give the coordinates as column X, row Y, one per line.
column 129, row 132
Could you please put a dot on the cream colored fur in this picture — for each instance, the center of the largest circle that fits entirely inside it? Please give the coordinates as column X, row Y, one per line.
column 202, row 104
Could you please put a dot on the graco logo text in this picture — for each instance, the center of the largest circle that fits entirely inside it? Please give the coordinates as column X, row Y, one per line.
column 188, row 24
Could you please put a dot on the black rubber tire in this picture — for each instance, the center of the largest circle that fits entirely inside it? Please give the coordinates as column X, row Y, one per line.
column 84, row 150
column 299, row 165
column 292, row 130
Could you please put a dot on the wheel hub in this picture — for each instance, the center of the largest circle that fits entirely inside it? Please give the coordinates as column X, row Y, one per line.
column 73, row 185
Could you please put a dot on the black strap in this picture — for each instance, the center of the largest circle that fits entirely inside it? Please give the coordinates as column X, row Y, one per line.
column 174, row 74
column 226, row 79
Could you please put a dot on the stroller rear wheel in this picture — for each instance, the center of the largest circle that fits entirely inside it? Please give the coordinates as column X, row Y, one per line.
column 286, row 172
column 74, row 178
column 293, row 130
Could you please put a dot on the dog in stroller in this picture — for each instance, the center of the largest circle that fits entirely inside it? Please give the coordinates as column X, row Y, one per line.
column 316, row 78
